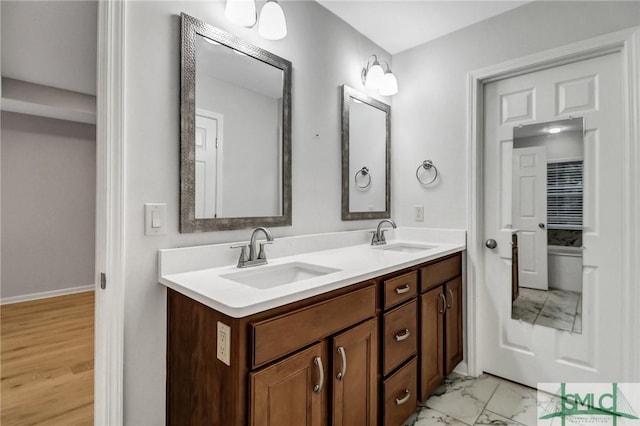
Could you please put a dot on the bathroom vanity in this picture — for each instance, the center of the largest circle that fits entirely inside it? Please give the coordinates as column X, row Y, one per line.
column 382, row 330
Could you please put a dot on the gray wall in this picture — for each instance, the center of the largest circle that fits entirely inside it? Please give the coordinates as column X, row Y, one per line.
column 429, row 119
column 48, row 204
column 325, row 53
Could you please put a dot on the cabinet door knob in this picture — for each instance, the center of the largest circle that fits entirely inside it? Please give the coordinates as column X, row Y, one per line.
column 491, row 243
column 318, row 362
column 405, row 335
column 343, row 355
column 403, row 289
column 405, row 398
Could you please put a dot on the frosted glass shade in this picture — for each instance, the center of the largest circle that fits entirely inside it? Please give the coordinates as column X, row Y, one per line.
column 272, row 24
column 374, row 77
column 388, row 84
column 241, row 12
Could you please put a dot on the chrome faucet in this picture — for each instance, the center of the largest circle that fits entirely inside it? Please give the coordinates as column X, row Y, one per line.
column 378, row 235
column 254, row 259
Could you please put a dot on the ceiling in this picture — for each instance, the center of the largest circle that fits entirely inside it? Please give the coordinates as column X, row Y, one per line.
column 397, row 25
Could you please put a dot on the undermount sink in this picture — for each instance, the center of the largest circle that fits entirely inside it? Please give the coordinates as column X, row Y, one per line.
column 273, row 276
column 406, row 247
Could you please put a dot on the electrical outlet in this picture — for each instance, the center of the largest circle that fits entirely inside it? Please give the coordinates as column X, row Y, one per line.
column 224, row 343
column 418, row 213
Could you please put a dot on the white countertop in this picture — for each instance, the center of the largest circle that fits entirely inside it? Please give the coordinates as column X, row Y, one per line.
column 356, row 263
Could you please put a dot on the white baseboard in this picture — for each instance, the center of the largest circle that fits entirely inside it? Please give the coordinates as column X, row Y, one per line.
column 45, row 294
column 462, row 368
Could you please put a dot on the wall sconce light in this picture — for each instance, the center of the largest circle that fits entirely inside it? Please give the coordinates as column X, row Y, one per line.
column 272, row 24
column 374, row 76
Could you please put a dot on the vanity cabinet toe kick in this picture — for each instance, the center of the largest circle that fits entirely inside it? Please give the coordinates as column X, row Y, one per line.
column 361, row 355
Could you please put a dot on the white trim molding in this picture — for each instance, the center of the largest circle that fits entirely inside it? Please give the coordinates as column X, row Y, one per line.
column 110, row 196
column 45, row 294
column 627, row 42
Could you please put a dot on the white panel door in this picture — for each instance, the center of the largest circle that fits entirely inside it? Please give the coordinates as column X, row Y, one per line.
column 524, row 352
column 208, row 143
column 530, row 215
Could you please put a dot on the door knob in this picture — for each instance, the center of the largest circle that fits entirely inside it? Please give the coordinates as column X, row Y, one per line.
column 541, row 225
column 490, row 243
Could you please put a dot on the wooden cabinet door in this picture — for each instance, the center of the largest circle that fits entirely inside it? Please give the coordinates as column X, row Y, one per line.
column 453, row 321
column 432, row 309
column 285, row 393
column 355, row 368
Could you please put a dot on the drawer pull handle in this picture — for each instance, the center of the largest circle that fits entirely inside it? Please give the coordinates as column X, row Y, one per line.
column 404, row 289
column 405, row 398
column 343, row 355
column 318, row 388
column 449, row 304
column 403, row 336
column 444, row 303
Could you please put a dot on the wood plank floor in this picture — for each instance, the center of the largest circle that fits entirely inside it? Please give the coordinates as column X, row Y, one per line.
column 46, row 361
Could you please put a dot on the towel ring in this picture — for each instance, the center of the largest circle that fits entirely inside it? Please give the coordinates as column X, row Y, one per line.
column 427, row 165
column 364, row 172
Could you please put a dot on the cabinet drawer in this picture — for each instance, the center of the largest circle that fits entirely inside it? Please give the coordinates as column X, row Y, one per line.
column 400, row 395
column 285, row 333
column 400, row 335
column 440, row 272
column 400, row 288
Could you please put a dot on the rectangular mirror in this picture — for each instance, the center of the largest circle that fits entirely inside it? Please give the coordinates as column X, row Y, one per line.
column 366, row 144
column 235, row 132
column 547, row 212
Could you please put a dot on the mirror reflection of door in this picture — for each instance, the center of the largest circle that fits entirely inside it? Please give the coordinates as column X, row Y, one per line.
column 209, row 149
column 529, row 212
column 547, row 210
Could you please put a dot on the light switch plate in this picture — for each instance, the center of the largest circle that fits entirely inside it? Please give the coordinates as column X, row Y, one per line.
column 155, row 219
column 418, row 213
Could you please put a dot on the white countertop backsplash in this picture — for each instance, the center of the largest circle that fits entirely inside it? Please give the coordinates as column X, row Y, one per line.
column 195, row 271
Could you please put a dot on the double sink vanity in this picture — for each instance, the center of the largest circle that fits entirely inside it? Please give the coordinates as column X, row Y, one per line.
column 333, row 330
column 339, row 328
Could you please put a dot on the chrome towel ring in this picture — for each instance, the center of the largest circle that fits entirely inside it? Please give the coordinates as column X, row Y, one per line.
column 365, row 173
column 427, row 165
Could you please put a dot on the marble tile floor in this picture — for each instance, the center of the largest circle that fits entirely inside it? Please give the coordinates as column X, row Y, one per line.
column 560, row 309
column 486, row 400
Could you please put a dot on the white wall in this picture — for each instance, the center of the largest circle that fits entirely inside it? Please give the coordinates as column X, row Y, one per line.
column 429, row 119
column 325, row 53
column 567, row 146
column 60, row 38
column 48, row 204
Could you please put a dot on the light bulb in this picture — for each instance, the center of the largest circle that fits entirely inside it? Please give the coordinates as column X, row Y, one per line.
column 272, row 24
column 388, row 84
column 554, row 130
column 374, row 76
column 241, row 12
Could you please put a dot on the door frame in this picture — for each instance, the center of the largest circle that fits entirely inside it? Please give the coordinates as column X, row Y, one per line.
column 110, row 211
column 219, row 152
column 627, row 42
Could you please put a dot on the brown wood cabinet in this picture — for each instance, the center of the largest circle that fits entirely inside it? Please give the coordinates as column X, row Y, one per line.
column 280, row 393
column 453, row 323
column 361, row 355
column 355, row 376
column 432, row 308
column 441, row 327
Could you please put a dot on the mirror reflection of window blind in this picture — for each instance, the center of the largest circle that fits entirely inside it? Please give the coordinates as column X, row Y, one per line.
column 564, row 195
